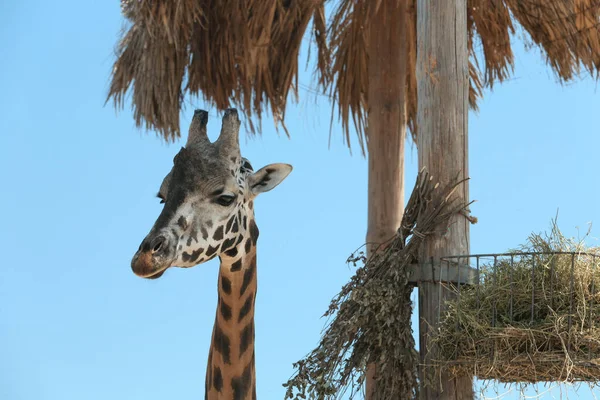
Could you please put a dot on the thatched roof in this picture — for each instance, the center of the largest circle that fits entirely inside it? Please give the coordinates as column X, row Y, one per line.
column 248, row 58
column 231, row 56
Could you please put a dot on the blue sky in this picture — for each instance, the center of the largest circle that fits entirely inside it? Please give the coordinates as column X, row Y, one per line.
column 78, row 185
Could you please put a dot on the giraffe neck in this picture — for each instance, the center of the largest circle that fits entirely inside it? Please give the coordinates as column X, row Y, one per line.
column 230, row 373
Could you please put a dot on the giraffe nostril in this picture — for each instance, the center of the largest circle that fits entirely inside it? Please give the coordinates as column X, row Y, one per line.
column 158, row 244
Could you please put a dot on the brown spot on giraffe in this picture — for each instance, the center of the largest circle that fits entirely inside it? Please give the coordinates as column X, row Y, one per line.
column 228, row 244
column 248, row 276
column 204, row 232
column 239, row 240
column 253, row 232
column 232, row 252
column 222, row 344
column 218, row 235
column 192, row 257
column 246, row 337
column 211, row 251
column 229, row 224
column 246, row 308
column 236, row 265
column 225, row 285
column 217, row 379
column 241, row 385
column 225, row 311
column 182, row 222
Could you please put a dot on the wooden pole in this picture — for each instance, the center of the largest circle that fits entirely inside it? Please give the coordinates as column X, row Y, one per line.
column 443, row 92
column 387, row 41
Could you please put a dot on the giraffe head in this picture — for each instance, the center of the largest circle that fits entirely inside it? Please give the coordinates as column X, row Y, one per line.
column 208, row 201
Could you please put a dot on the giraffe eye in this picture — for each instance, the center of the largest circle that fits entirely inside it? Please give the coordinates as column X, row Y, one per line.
column 225, row 200
column 247, row 166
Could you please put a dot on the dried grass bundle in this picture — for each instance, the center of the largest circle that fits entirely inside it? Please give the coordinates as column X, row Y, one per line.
column 535, row 319
column 371, row 316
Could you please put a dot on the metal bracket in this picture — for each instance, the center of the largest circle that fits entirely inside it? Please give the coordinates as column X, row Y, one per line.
column 445, row 272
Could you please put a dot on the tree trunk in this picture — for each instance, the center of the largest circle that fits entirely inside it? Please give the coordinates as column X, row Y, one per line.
column 387, row 46
column 443, row 89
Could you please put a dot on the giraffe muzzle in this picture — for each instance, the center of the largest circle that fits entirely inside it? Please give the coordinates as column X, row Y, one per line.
column 154, row 256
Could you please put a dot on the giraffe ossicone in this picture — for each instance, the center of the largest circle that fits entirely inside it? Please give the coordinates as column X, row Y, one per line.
column 208, row 212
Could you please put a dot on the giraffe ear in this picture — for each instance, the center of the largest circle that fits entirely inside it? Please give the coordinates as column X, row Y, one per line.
column 268, row 177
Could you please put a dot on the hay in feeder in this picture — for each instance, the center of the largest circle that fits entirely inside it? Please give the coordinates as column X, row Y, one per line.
column 370, row 319
column 534, row 317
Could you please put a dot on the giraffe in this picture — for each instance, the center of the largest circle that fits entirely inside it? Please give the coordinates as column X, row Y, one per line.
column 208, row 212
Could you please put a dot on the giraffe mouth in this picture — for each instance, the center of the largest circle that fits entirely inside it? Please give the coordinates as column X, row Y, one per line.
column 150, row 274
column 156, row 275
column 145, row 266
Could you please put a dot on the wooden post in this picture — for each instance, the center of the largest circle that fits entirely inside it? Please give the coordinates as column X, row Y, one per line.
column 443, row 92
column 387, row 41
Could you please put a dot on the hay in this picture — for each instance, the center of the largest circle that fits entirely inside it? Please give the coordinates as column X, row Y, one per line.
column 371, row 316
column 489, row 331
